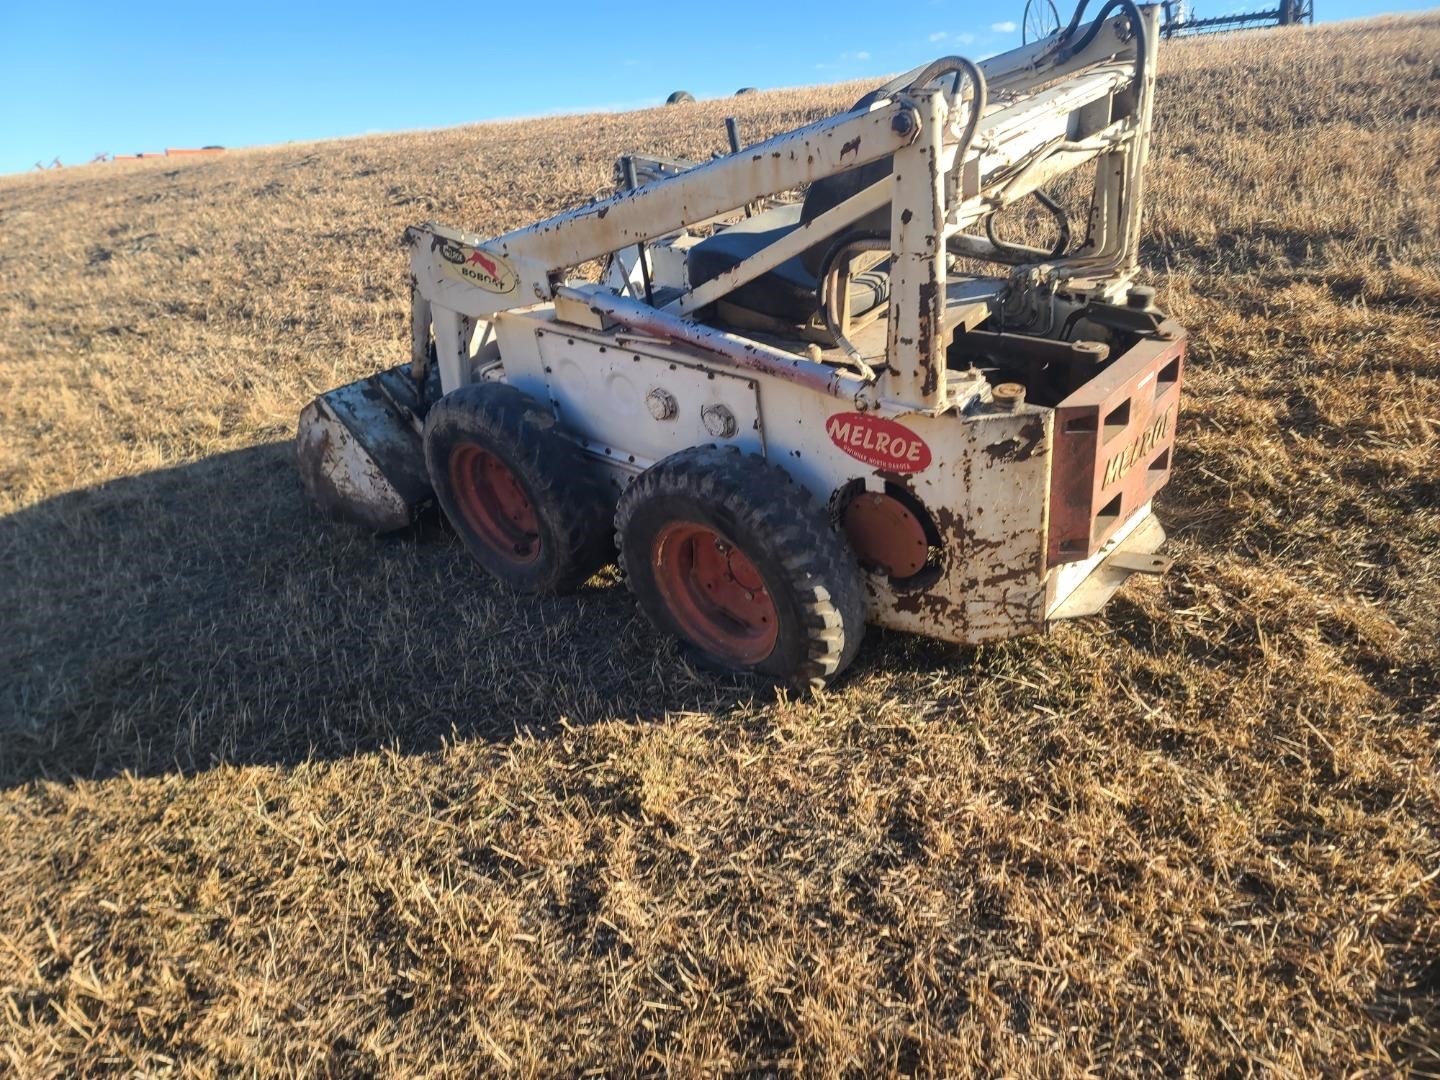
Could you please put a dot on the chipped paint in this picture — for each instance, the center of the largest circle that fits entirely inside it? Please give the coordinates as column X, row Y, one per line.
column 1021, row 446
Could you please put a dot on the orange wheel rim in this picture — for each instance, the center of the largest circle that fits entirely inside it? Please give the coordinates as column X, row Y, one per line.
column 714, row 592
column 493, row 504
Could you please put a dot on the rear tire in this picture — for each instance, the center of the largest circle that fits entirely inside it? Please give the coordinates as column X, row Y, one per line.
column 680, row 97
column 733, row 557
column 527, row 504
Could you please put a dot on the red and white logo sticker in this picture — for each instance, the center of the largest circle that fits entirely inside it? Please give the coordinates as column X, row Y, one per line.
column 878, row 441
column 474, row 266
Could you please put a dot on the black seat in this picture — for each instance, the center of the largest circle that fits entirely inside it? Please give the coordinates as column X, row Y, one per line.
column 790, row 292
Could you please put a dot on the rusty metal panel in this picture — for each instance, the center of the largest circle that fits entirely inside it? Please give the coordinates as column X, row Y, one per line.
column 916, row 349
column 1114, row 445
column 636, row 408
column 725, row 348
column 985, row 489
column 1007, row 475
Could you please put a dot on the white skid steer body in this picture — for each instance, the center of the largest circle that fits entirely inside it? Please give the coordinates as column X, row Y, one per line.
column 985, row 422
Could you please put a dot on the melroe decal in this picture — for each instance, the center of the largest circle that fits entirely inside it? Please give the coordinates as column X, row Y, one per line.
column 878, row 441
column 474, row 266
column 1119, row 466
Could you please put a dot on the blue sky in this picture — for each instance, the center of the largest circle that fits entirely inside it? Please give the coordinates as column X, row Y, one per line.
column 77, row 79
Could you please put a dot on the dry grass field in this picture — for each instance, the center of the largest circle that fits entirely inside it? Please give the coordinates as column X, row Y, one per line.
column 279, row 798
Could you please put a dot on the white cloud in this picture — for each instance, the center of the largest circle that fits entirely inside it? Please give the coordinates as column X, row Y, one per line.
column 965, row 39
column 862, row 55
column 939, row 35
column 1006, row 27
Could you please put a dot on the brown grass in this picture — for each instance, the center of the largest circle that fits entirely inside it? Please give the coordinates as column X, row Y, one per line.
column 279, row 798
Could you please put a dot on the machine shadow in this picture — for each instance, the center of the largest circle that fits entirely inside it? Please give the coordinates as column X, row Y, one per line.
column 203, row 614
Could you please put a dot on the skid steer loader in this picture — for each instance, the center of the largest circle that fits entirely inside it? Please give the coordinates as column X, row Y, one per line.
column 791, row 416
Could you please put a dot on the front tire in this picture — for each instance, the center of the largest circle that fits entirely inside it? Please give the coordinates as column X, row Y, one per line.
column 527, row 504
column 733, row 557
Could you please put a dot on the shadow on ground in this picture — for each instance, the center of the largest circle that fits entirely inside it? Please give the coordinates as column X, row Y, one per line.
column 203, row 613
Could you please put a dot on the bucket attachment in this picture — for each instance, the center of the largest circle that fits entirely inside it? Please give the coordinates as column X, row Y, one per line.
column 360, row 450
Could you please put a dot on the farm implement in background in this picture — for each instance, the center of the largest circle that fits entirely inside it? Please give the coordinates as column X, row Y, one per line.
column 815, row 387
column 1179, row 19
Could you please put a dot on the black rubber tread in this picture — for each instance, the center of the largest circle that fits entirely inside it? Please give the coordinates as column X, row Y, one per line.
column 807, row 565
column 572, row 504
column 680, row 97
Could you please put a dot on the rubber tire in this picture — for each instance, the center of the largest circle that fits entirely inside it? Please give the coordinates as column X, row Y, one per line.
column 808, row 567
column 680, row 97
column 572, row 504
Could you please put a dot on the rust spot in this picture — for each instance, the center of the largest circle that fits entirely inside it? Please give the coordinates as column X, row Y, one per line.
column 1021, row 446
column 936, row 609
column 603, row 211
column 927, row 309
column 905, row 217
column 899, row 479
column 851, row 147
column 1013, row 574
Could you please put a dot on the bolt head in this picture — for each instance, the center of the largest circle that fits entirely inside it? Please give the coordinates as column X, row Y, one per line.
column 903, row 123
column 719, row 421
column 662, row 404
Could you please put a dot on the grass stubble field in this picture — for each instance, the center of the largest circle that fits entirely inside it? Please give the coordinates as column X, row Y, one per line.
column 280, row 798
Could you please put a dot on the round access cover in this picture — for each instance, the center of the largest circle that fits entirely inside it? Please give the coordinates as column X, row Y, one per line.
column 886, row 534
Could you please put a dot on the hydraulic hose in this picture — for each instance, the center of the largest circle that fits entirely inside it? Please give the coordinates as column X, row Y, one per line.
column 1062, row 221
column 1064, row 52
column 854, row 241
column 1142, row 99
column 1137, row 27
column 959, row 65
column 1074, row 23
column 871, row 241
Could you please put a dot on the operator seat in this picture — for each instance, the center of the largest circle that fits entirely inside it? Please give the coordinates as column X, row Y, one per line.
column 791, row 291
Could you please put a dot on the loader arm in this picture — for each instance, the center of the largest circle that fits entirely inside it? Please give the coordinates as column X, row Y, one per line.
column 533, row 255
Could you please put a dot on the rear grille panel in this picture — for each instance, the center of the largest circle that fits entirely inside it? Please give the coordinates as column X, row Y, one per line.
column 1114, row 445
